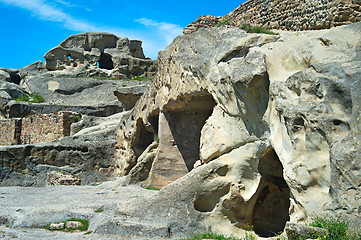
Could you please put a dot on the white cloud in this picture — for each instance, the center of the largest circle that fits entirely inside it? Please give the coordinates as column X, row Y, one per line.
column 167, row 31
column 44, row 11
column 155, row 38
column 66, row 3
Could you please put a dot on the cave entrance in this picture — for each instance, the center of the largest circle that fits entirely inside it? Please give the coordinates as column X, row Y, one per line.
column 180, row 125
column 271, row 211
column 105, row 61
column 186, row 124
column 145, row 135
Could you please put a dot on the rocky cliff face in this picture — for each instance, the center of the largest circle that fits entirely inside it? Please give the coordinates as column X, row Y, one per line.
column 249, row 129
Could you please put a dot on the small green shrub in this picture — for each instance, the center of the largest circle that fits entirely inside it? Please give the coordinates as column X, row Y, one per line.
column 76, row 118
column 252, row 29
column 338, row 228
column 32, row 98
column 224, row 22
column 23, row 76
column 250, row 236
column 156, row 137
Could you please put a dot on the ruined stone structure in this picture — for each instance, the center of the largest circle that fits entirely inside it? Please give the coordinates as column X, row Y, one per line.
column 288, row 15
column 35, row 128
column 100, row 54
column 10, row 130
column 205, row 21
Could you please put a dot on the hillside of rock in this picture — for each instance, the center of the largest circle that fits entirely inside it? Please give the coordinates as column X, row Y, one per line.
column 236, row 129
column 273, row 120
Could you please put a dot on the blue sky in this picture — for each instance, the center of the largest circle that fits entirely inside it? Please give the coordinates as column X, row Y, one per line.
column 32, row 27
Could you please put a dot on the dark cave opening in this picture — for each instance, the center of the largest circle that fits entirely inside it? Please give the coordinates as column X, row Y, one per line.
column 186, row 124
column 106, row 62
column 271, row 211
column 145, row 134
column 15, row 78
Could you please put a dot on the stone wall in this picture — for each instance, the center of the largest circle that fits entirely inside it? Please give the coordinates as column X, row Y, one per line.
column 297, row 15
column 9, row 131
column 35, row 128
column 290, row 14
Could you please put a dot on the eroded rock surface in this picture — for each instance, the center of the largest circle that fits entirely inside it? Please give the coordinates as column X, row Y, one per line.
column 100, row 54
column 274, row 119
column 236, row 129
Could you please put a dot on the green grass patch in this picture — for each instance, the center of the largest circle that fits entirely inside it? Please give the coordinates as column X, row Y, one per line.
column 252, row 29
column 142, row 78
column 32, row 98
column 83, row 228
column 224, row 22
column 99, row 210
column 152, row 188
column 338, row 228
column 156, row 138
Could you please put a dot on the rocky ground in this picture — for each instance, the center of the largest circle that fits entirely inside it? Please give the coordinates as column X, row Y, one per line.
column 26, row 211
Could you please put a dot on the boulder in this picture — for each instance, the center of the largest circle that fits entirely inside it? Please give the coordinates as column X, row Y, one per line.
column 58, row 178
column 301, row 231
column 56, row 226
column 73, row 225
column 14, row 90
column 130, row 95
column 35, row 68
column 4, row 76
column 14, row 75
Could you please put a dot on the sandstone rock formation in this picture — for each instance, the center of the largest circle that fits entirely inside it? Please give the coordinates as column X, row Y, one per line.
column 100, row 54
column 236, row 129
column 78, row 84
column 274, row 119
column 69, row 86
